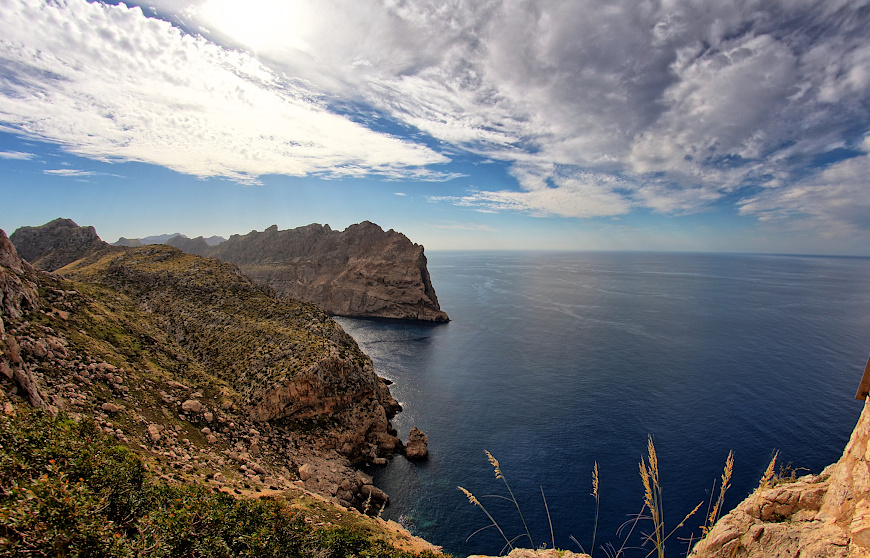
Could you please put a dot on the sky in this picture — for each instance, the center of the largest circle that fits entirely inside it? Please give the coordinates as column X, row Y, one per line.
column 720, row 126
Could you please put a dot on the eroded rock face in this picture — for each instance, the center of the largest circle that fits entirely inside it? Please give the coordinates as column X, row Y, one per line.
column 56, row 244
column 18, row 294
column 818, row 516
column 362, row 271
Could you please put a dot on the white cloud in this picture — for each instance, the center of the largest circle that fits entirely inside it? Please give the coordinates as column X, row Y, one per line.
column 835, row 201
column 571, row 195
column 683, row 102
column 600, row 107
column 16, row 155
column 109, row 83
column 68, row 172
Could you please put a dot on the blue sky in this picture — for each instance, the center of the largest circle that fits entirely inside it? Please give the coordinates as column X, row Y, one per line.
column 466, row 124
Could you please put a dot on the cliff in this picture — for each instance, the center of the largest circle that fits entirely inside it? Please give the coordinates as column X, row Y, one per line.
column 817, row 516
column 208, row 376
column 56, row 244
column 362, row 271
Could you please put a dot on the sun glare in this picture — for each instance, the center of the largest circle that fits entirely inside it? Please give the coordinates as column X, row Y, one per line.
column 259, row 24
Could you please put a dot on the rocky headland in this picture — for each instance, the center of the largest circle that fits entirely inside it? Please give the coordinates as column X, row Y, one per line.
column 209, row 377
column 362, row 271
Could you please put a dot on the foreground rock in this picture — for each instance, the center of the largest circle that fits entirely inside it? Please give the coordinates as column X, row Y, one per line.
column 362, row 271
column 818, row 516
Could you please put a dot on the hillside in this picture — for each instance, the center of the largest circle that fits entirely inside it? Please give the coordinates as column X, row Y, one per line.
column 207, row 378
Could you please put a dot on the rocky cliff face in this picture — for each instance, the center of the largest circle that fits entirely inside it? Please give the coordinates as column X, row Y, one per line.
column 362, row 271
column 56, row 244
column 817, row 516
column 209, row 376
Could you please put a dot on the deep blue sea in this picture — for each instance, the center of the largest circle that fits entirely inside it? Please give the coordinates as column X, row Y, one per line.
column 555, row 361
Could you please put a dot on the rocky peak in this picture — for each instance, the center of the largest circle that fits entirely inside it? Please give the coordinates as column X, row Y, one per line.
column 362, row 271
column 56, row 244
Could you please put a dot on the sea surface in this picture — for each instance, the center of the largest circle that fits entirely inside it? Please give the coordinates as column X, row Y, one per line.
column 555, row 361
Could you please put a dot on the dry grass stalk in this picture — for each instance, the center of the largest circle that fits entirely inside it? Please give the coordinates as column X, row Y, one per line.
column 768, row 473
column 498, row 474
column 649, row 475
column 474, row 501
column 713, row 516
column 549, row 519
column 597, row 502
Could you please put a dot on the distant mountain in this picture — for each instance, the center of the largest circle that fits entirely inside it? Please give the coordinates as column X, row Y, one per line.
column 164, row 239
column 197, row 245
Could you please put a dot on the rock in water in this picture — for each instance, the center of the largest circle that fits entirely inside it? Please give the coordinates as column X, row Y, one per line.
column 417, row 447
column 362, row 271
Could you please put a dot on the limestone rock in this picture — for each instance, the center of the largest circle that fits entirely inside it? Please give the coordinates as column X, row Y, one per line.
column 154, row 432
column 540, row 553
column 191, row 406
column 362, row 271
column 18, row 295
column 306, row 471
column 416, row 448
column 817, row 516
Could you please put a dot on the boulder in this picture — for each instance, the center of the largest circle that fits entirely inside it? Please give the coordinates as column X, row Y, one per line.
column 191, row 406
column 417, row 446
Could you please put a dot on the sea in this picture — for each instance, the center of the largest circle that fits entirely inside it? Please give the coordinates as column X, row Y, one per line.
column 557, row 362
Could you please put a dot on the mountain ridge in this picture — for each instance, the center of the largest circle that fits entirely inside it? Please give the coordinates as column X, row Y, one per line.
column 362, row 271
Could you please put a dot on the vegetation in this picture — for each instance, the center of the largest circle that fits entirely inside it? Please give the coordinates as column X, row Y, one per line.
column 652, row 511
column 68, row 490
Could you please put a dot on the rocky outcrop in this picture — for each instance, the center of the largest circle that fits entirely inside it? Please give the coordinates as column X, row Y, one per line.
column 418, row 444
column 539, row 553
column 817, row 516
column 18, row 296
column 56, row 244
column 362, row 271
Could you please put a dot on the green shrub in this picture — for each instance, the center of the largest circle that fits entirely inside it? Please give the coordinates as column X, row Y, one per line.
column 68, row 490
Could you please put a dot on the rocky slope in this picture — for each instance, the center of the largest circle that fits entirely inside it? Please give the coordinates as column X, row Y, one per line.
column 56, row 244
column 817, row 516
column 362, row 271
column 210, row 377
